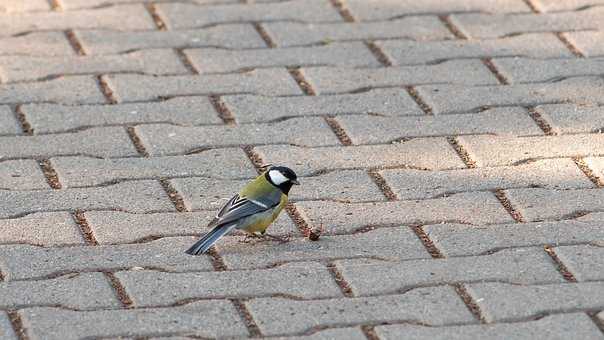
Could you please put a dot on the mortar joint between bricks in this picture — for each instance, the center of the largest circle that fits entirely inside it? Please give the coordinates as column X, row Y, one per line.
column 119, row 289
column 469, row 302
column 87, row 233
column 457, row 33
column 380, row 181
column 175, row 197
column 340, row 281
column 532, row 6
column 75, row 42
column 343, row 10
column 560, row 266
column 298, row 76
column 17, row 324
column 569, row 45
column 540, row 121
column 369, row 332
column 582, row 165
column 138, row 144
column 427, row 242
column 378, row 53
column 338, row 130
column 223, row 111
column 55, row 5
column 268, row 40
column 599, row 322
column 106, row 89
column 50, row 174
column 22, row 119
column 244, row 313
column 418, row 100
column 488, row 62
column 184, row 58
column 155, row 15
column 461, row 152
column 507, row 205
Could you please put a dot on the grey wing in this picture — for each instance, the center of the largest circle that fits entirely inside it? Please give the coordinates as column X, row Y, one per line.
column 239, row 207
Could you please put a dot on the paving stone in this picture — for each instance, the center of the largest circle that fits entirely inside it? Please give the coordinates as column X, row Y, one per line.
column 381, row 10
column 181, row 15
column 433, row 153
column 19, row 262
column 53, row 118
column 390, row 102
column 478, row 25
column 597, row 165
column 524, row 70
column 382, row 243
column 460, row 240
column 455, row 98
column 44, row 229
column 207, row 319
column 434, row 306
column 583, row 261
column 114, row 227
column 24, row 6
column 135, row 196
column 274, row 82
column 127, row 17
column 6, row 328
column 8, row 122
column 351, row 54
column 338, row 79
column 568, row 5
column 588, row 42
column 68, row 90
column 149, row 288
column 71, row 4
column 376, row 129
column 85, row 171
column 161, row 139
column 22, row 174
column 504, row 150
column 36, row 43
column 158, row 62
column 472, row 208
column 546, row 173
column 520, row 266
column 554, row 327
column 68, row 291
column 296, row 33
column 404, row 52
column 573, row 118
column 330, row 334
column 506, row 302
column 100, row 142
column 540, row 204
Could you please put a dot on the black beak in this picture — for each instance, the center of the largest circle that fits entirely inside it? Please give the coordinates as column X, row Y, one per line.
column 294, row 181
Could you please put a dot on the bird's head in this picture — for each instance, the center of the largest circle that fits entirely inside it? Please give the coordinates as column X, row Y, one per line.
column 282, row 177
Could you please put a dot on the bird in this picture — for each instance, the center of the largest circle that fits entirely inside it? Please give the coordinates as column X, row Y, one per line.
column 253, row 209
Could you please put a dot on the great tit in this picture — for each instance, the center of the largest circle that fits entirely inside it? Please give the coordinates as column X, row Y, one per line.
column 253, row 209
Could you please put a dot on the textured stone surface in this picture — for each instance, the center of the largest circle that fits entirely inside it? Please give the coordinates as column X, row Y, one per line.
column 72, row 4
column 8, row 122
column 41, row 229
column 389, row 102
column 435, row 306
column 376, row 129
column 597, row 166
column 583, row 261
column 568, row 5
column 546, row 173
column 6, row 329
column 523, row 70
column 18, row 6
column 88, row 171
column 337, row 80
column 82, row 90
column 36, row 44
column 543, row 204
column 472, row 208
column 27, row 262
column 23, row 174
column 588, row 42
column 573, row 118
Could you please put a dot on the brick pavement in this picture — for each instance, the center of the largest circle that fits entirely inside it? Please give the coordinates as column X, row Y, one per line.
column 451, row 151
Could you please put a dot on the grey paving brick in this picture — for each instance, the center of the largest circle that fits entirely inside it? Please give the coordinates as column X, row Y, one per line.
column 337, row 79
column 433, row 153
column 295, row 33
column 455, row 98
column 68, row 291
column 597, row 166
column 434, row 306
column 329, row 334
column 180, row 15
column 228, row 36
column 36, row 43
column 376, row 129
column 20, row 262
column 382, row 243
column 163, row 139
column 8, row 123
column 208, row 319
column 53, row 118
column 478, row 25
column 6, row 329
column 573, row 118
column 568, row 5
column 68, row 90
column 458, row 240
column 524, row 70
column 223, row 163
column 540, row 204
column 520, row 266
column 546, row 173
column 22, row 174
column 503, row 150
column 127, row 17
column 114, row 227
column 402, row 52
column 72, row 4
column 305, row 280
column 557, row 326
column 135, row 196
column 588, row 42
column 24, row 6
column 99, row 142
column 583, row 261
column 273, row 82
column 472, row 208
column 159, row 62
column 380, row 10
column 349, row 54
column 44, row 229
column 502, row 302
column 391, row 102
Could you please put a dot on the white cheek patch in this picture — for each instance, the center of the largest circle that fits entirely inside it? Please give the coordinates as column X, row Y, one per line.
column 277, row 177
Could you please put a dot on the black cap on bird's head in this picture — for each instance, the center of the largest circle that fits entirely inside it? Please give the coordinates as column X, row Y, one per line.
column 282, row 177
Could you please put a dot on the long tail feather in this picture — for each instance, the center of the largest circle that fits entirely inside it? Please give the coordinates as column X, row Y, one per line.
column 208, row 240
